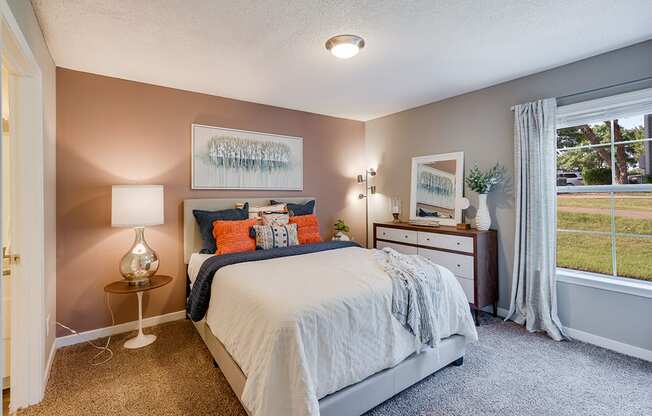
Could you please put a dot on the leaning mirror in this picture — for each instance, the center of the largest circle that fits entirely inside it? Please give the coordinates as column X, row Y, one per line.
column 437, row 183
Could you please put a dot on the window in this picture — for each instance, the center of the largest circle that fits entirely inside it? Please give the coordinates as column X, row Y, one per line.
column 604, row 187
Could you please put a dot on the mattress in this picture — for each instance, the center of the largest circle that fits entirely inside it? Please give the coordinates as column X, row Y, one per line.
column 194, row 264
column 306, row 326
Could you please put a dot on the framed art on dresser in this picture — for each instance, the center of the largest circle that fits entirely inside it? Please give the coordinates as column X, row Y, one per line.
column 237, row 159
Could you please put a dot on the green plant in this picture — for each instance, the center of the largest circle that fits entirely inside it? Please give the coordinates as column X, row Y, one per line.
column 646, row 178
column 596, row 176
column 483, row 182
column 341, row 226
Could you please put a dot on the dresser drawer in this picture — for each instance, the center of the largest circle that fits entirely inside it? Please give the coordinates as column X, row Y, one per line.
column 395, row 234
column 467, row 286
column 446, row 241
column 398, row 247
column 460, row 264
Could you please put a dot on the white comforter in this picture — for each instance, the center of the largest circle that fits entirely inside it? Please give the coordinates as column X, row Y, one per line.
column 305, row 326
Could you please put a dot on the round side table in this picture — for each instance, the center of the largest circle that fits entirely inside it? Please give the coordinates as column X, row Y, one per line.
column 122, row 287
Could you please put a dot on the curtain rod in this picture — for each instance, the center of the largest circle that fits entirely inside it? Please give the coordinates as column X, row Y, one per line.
column 621, row 84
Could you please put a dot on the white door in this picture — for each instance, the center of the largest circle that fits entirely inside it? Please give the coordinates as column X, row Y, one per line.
column 5, row 210
column 27, row 225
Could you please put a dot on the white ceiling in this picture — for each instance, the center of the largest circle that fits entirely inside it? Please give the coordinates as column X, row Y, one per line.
column 273, row 51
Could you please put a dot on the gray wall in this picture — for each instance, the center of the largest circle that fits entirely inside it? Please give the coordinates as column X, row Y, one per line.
column 480, row 123
column 617, row 316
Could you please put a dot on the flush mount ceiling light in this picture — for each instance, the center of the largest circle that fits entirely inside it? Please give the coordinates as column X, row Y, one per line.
column 345, row 46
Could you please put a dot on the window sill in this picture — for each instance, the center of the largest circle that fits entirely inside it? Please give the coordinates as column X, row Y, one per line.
column 612, row 284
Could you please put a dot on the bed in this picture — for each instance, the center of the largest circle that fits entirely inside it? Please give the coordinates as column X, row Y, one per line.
column 292, row 342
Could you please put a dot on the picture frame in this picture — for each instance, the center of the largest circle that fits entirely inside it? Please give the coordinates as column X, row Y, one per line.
column 224, row 158
column 431, row 169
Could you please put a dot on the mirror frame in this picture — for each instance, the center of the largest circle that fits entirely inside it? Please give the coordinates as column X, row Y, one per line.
column 459, row 184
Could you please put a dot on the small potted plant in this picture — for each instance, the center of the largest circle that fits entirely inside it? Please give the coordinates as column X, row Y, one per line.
column 341, row 231
column 483, row 183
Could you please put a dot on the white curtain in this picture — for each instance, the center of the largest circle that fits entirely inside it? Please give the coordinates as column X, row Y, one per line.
column 534, row 288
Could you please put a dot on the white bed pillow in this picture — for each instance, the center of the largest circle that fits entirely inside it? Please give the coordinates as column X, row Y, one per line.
column 256, row 212
column 275, row 218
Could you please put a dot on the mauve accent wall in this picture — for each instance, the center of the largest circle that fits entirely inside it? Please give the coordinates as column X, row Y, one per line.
column 111, row 131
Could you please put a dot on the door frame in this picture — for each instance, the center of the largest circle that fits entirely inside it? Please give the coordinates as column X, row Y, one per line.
column 28, row 326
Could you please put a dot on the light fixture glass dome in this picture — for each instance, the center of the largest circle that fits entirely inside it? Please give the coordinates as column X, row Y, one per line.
column 345, row 46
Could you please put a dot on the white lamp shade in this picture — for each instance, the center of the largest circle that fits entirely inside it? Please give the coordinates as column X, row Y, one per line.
column 136, row 205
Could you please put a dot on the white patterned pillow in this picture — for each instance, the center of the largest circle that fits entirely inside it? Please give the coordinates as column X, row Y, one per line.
column 256, row 212
column 273, row 236
column 275, row 219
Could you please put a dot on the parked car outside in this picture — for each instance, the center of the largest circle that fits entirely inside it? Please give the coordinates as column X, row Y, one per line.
column 571, row 178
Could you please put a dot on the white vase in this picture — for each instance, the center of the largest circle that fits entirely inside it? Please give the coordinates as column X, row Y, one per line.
column 482, row 217
column 341, row 236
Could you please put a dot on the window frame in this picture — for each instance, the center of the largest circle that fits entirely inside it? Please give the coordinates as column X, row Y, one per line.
column 587, row 112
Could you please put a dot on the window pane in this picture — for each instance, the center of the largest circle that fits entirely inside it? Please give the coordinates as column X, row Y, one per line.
column 634, row 213
column 584, row 212
column 587, row 252
column 583, row 135
column 629, row 159
column 633, row 256
column 584, row 155
column 584, row 166
column 632, row 159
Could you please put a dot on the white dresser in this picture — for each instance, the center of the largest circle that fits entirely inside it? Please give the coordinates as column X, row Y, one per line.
column 470, row 254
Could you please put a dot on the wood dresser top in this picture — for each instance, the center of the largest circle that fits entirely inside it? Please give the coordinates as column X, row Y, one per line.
column 444, row 229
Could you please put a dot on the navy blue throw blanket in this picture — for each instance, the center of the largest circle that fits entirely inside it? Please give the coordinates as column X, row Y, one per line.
column 200, row 294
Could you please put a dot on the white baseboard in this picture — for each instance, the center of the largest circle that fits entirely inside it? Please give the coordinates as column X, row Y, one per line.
column 117, row 329
column 609, row 344
column 48, row 365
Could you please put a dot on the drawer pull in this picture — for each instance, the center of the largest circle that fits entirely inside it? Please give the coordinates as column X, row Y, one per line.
column 459, row 265
column 458, row 243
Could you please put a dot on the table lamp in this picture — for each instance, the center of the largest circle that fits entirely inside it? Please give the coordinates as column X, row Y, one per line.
column 395, row 206
column 137, row 206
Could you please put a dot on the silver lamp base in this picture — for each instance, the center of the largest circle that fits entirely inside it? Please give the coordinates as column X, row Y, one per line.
column 140, row 262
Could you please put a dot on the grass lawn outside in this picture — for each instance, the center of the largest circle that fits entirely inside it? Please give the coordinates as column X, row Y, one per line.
column 602, row 222
column 592, row 253
column 628, row 201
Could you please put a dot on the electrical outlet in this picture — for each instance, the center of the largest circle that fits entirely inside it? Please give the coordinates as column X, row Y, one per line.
column 47, row 325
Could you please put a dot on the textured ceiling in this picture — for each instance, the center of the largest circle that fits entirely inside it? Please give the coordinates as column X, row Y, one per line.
column 273, row 51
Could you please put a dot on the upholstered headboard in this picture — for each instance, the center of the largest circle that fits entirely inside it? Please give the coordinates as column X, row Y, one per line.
column 192, row 238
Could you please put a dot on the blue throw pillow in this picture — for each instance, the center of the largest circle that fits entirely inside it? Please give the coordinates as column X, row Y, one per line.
column 205, row 221
column 297, row 209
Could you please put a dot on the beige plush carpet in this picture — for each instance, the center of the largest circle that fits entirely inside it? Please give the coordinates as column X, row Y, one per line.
column 509, row 372
column 173, row 376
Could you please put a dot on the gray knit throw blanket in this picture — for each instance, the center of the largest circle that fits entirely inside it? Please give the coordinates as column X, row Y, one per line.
column 416, row 286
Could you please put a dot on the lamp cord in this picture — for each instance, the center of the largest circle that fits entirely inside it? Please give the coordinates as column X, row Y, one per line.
column 102, row 349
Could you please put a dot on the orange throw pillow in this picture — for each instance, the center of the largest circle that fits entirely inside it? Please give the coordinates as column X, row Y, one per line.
column 308, row 228
column 233, row 236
